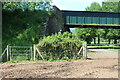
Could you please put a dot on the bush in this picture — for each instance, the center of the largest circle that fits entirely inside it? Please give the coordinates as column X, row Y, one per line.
column 60, row 46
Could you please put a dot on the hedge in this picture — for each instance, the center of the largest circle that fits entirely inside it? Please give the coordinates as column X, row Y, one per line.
column 61, row 46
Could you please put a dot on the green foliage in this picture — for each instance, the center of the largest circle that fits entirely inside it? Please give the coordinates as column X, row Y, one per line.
column 60, row 46
column 23, row 23
column 113, row 33
column 106, row 7
column 110, row 6
column 20, row 58
column 12, row 61
column 105, row 33
column 86, row 34
column 94, row 7
column 23, row 26
column 27, row 6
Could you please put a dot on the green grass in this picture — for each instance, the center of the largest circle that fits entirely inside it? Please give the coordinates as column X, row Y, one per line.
column 114, row 50
column 19, row 61
column 91, row 52
column 104, row 46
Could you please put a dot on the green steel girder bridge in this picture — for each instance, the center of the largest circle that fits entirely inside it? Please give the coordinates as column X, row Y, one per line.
column 89, row 19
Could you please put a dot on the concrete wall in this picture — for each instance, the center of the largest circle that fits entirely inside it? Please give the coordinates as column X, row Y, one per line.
column 55, row 23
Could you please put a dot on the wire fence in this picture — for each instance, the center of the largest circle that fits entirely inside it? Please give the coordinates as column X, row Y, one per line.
column 31, row 53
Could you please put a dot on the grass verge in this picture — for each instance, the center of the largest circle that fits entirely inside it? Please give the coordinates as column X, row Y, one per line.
column 114, row 50
column 16, row 61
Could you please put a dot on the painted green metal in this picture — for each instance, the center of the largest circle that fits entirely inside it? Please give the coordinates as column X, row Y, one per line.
column 89, row 17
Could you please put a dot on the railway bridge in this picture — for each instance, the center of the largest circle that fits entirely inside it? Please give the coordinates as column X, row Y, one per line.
column 62, row 20
column 94, row 19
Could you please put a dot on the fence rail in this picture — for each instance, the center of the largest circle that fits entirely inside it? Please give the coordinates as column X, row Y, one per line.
column 3, row 52
column 1, row 56
column 35, row 51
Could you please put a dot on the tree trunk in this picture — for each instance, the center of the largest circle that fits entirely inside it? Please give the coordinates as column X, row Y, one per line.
column 88, row 42
column 94, row 40
column 98, row 39
column 109, row 41
column 115, row 41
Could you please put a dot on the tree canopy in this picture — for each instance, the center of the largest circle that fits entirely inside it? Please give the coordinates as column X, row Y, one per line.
column 94, row 7
column 105, row 7
column 26, row 5
column 23, row 22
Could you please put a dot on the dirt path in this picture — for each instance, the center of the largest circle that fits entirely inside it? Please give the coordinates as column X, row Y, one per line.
column 104, row 64
column 103, row 54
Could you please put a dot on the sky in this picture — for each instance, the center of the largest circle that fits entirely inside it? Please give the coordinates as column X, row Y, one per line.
column 74, row 4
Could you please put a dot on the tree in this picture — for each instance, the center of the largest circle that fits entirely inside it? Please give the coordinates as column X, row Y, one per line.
column 113, row 34
column 86, row 34
column 100, row 33
column 106, row 7
column 110, row 6
column 23, row 22
column 94, row 7
column 27, row 5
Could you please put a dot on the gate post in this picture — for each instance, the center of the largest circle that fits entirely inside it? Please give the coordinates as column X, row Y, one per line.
column 34, row 51
column 10, row 52
column 85, row 51
column 7, row 52
column 31, row 52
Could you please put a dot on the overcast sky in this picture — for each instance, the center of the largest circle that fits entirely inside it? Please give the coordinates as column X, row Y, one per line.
column 74, row 4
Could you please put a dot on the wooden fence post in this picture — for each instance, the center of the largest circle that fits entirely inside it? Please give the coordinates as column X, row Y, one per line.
column 85, row 51
column 34, row 51
column 31, row 52
column 7, row 52
column 39, row 53
column 10, row 52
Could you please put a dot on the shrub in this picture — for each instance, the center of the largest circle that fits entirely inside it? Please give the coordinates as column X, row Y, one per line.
column 60, row 46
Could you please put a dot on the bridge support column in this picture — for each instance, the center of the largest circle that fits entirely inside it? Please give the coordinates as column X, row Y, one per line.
column 66, row 29
column 55, row 23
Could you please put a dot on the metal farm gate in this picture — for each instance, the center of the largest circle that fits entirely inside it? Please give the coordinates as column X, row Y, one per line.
column 19, row 53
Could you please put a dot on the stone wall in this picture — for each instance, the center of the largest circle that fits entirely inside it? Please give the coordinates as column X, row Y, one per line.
column 55, row 23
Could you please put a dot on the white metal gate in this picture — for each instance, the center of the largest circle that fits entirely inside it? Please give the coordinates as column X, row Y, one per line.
column 21, row 52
